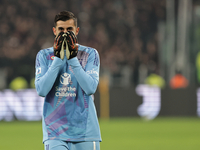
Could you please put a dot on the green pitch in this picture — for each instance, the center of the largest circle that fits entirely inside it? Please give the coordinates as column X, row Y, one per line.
column 117, row 134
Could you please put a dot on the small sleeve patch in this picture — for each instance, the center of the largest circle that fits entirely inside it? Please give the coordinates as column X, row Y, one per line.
column 38, row 71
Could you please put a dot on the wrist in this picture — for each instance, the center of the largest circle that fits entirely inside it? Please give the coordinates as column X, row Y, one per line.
column 73, row 61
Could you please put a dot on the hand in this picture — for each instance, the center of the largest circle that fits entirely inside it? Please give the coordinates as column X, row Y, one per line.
column 72, row 45
column 58, row 46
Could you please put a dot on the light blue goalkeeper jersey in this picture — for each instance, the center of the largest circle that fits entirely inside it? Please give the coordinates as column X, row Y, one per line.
column 69, row 112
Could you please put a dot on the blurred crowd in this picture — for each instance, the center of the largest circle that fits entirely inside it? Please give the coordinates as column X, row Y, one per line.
column 125, row 33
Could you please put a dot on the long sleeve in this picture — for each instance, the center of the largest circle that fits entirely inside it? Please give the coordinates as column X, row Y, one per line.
column 87, row 78
column 46, row 75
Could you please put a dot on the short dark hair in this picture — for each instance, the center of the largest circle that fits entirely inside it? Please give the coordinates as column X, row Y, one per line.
column 64, row 16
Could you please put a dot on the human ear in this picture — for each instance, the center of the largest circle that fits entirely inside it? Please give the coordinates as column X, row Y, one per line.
column 54, row 31
column 77, row 31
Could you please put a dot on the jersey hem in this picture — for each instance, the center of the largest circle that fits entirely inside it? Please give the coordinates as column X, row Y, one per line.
column 74, row 140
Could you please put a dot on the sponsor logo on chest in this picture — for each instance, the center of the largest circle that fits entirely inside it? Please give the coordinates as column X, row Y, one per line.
column 65, row 90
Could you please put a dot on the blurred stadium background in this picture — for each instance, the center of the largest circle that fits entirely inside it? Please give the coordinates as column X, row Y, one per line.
column 143, row 45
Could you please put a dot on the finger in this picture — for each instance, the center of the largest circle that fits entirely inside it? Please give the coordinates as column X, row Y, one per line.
column 69, row 39
column 60, row 39
column 59, row 36
column 74, row 37
column 72, row 40
column 64, row 35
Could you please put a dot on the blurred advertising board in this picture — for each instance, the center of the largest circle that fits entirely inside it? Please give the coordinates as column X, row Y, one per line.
column 150, row 102
column 141, row 101
column 21, row 105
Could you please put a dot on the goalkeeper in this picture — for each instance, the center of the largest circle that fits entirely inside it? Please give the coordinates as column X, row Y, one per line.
column 67, row 75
